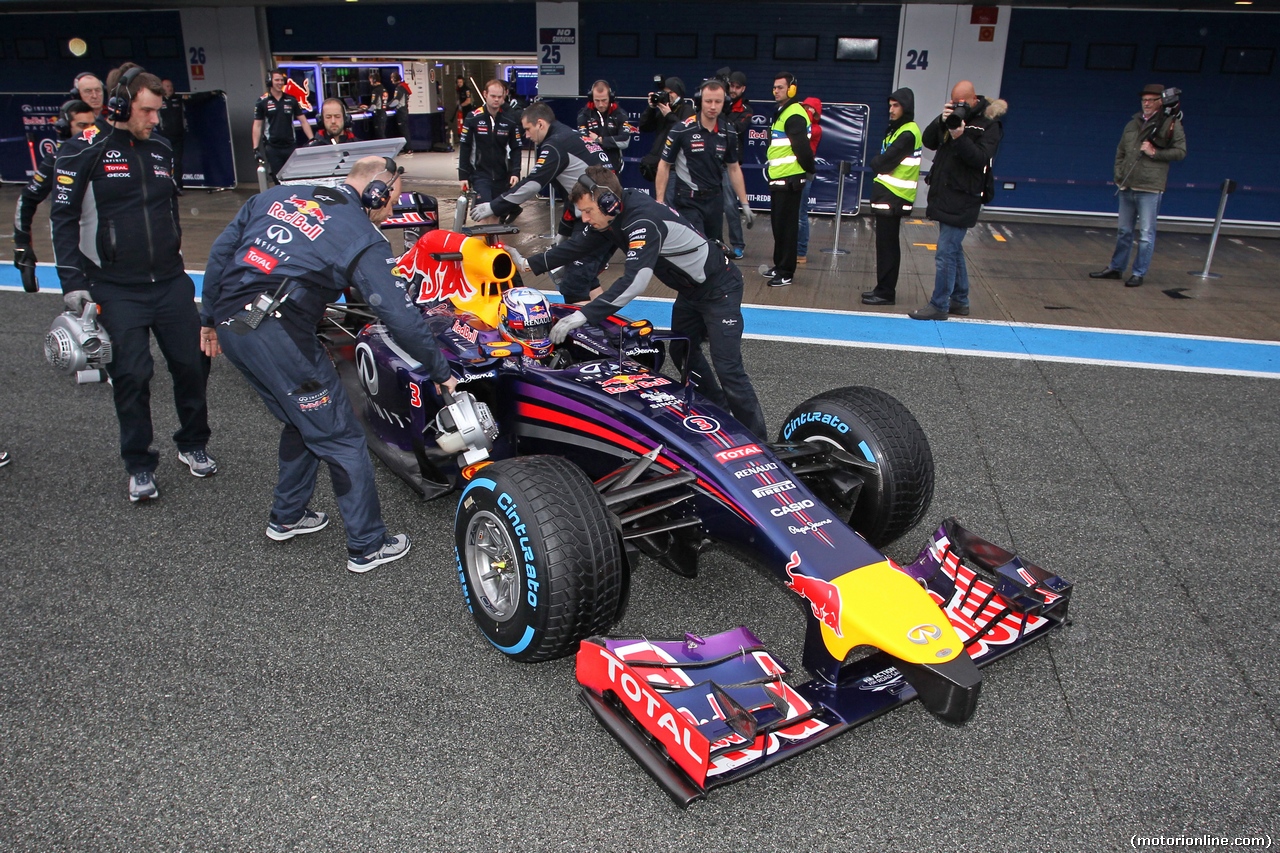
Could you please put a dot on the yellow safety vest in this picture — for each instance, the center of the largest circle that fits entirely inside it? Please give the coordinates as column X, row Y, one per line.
column 902, row 181
column 780, row 160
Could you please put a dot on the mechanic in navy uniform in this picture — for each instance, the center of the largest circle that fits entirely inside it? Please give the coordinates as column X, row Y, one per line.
column 299, row 247
column 661, row 244
column 603, row 122
column 273, row 117
column 378, row 105
column 398, row 100
column 117, row 242
column 489, row 147
column 335, row 124
column 74, row 118
column 563, row 157
column 701, row 150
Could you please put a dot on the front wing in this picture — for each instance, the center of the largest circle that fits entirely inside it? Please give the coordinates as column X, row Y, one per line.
column 698, row 713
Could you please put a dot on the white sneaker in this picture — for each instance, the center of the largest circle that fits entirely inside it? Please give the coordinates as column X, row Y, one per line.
column 311, row 522
column 142, row 487
column 200, row 463
column 393, row 548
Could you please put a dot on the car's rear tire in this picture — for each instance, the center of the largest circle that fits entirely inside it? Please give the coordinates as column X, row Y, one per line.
column 539, row 558
column 874, row 426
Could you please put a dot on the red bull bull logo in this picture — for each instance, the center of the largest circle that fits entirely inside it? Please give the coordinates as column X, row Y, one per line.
column 301, row 95
column 823, row 596
column 434, row 280
column 299, row 212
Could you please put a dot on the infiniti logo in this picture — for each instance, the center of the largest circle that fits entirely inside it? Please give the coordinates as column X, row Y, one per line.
column 368, row 370
column 279, row 233
column 113, row 154
column 923, row 634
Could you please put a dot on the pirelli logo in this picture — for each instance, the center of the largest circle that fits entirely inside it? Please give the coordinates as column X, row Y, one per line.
column 773, row 489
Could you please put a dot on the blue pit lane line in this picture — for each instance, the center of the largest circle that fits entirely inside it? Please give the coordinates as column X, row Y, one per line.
column 992, row 339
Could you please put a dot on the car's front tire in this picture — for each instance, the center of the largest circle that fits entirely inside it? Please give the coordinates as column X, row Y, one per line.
column 539, row 558
column 874, row 426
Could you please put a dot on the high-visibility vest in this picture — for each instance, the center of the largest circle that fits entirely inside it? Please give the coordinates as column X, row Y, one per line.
column 902, row 181
column 780, row 160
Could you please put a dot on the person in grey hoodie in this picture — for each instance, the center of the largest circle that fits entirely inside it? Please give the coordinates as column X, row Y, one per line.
column 893, row 193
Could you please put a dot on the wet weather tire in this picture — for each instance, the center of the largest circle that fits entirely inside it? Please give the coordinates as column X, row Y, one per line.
column 874, row 426
column 538, row 557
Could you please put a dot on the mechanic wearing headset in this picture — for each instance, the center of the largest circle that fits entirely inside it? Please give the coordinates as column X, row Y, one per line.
column 603, row 122
column 335, row 124
column 563, row 157
column 289, row 252
column 489, row 147
column 88, row 88
column 702, row 150
column 661, row 244
column 74, row 118
column 117, row 242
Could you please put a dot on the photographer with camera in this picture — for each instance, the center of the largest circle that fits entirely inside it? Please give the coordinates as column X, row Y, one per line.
column 703, row 152
column 1151, row 140
column 667, row 108
column 117, row 242
column 966, row 137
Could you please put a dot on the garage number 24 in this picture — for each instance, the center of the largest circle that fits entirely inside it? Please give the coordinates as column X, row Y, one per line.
column 917, row 60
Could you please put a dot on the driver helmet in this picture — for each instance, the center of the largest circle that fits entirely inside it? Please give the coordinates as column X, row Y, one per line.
column 525, row 316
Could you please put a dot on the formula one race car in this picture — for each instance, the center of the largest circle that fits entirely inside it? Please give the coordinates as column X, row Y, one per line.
column 572, row 463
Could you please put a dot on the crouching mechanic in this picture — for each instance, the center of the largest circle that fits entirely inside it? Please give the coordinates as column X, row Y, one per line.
column 296, row 248
column 660, row 243
column 563, row 157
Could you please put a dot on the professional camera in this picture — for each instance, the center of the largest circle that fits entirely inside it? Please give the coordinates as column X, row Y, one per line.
column 1170, row 102
column 960, row 111
column 659, row 94
column 78, row 345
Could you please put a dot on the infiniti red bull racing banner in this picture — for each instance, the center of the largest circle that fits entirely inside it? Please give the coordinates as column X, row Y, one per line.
column 27, row 126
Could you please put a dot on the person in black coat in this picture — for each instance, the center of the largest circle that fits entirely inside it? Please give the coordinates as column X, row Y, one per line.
column 966, row 137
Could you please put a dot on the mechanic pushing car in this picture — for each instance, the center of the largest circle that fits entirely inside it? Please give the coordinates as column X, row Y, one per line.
column 563, row 157
column 660, row 243
column 289, row 252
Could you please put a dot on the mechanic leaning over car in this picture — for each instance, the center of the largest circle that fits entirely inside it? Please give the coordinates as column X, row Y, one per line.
column 489, row 146
column 117, row 242
column 660, row 243
column 563, row 157
column 289, row 252
column 74, row 118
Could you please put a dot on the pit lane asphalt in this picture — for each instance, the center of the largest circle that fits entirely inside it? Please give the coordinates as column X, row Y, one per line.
column 173, row 680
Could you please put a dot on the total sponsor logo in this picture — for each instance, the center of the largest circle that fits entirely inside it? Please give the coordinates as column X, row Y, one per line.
column 762, row 468
column 651, row 707
column 774, row 488
column 824, row 418
column 733, row 454
column 257, row 259
column 823, row 596
column 115, row 167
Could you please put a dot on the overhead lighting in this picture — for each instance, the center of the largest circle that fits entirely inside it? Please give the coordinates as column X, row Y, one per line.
column 77, row 47
column 1244, row 2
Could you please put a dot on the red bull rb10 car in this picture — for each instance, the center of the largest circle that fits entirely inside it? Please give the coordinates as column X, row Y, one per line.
column 570, row 466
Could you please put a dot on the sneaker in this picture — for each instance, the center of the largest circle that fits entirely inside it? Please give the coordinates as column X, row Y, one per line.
column 928, row 312
column 5, row 458
column 737, row 253
column 142, row 487
column 779, row 281
column 393, row 548
column 767, row 271
column 311, row 522
column 958, row 309
column 200, row 463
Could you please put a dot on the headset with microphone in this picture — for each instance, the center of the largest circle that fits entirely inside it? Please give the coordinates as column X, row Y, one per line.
column 63, row 125
column 377, row 194
column 606, row 199
column 120, row 104
column 607, row 85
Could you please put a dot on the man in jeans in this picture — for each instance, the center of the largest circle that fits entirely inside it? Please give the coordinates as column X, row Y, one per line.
column 966, row 137
column 1151, row 141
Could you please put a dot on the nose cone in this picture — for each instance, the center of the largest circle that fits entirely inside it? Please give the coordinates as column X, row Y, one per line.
column 884, row 608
